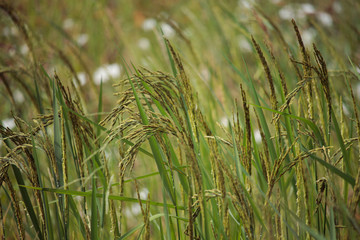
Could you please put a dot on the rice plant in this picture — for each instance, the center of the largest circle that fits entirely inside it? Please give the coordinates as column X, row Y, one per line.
column 210, row 120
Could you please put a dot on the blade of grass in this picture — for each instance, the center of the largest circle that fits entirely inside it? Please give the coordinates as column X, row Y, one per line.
column 94, row 215
column 139, row 177
column 58, row 176
column 48, row 218
column 345, row 153
column 99, row 107
column 39, row 176
column 166, row 215
column 332, row 227
column 77, row 215
column 99, row 195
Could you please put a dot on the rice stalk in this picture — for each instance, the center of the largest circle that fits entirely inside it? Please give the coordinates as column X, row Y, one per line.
column 188, row 107
column 267, row 73
column 16, row 207
column 278, row 218
column 266, row 156
column 22, row 143
column 65, row 171
column 306, row 71
column 356, row 195
column 248, row 133
column 218, row 176
column 2, row 221
column 322, row 72
column 83, row 133
column 240, row 203
column 145, row 212
column 299, row 187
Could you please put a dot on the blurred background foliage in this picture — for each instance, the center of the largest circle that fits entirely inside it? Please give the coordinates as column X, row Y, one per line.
column 94, row 34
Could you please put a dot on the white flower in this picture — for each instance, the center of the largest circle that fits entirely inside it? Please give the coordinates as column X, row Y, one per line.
column 287, row 12
column 7, row 31
column 14, row 31
column 114, row 70
column 225, row 121
column 144, row 43
column 108, row 155
column 127, row 212
column 68, row 23
column 149, row 24
column 308, row 36
column 24, row 49
column 136, row 209
column 168, row 31
column 82, row 39
column 101, row 74
column 247, row 4
column 298, row 11
column 78, row 198
column 244, row 45
column 205, row 73
column 18, row 96
column 307, row 8
column 337, row 7
column 325, row 19
column 8, row 123
column 144, row 193
column 105, row 72
column 257, row 136
column 82, row 78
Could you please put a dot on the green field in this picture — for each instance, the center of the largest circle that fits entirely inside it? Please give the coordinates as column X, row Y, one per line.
column 179, row 119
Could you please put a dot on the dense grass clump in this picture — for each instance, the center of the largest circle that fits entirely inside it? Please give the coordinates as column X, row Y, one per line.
column 205, row 120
